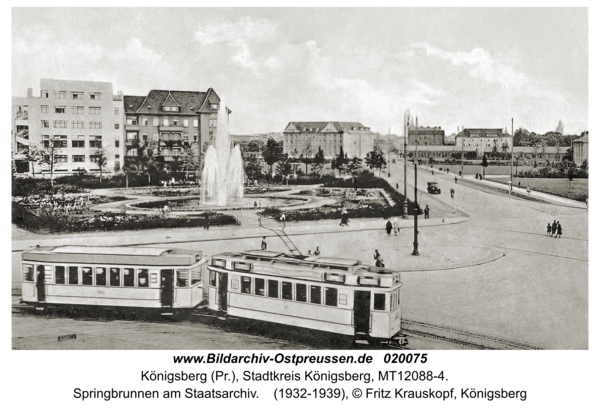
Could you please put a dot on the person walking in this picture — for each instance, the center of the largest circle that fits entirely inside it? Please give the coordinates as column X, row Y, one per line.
column 452, row 193
column 255, row 205
column 519, row 184
column 396, row 226
column 558, row 230
column 553, row 228
column 426, row 211
column 455, row 179
column 317, row 252
column 263, row 243
column 388, row 227
column 528, row 190
column 206, row 221
column 378, row 259
column 549, row 230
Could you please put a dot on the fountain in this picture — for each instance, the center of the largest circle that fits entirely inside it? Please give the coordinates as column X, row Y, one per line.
column 223, row 173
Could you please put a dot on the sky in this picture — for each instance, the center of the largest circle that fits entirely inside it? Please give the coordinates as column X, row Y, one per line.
column 451, row 68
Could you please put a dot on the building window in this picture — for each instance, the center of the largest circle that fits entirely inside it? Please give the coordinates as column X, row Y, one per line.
column 95, row 125
column 59, row 94
column 44, row 109
column 212, row 123
column 165, row 121
column 145, row 121
column 186, row 136
column 45, row 94
column 77, row 124
column 195, row 137
column 117, row 156
column 214, row 106
column 78, row 158
column 78, row 144
column 175, row 121
column 116, row 111
column 132, row 121
column 95, row 95
column 195, row 123
column 155, row 136
column 60, row 159
column 77, row 110
column 95, row 158
column 155, row 121
column 95, row 110
column 117, row 143
column 171, row 109
column 144, row 137
column 45, row 123
column 116, row 126
column 60, row 124
column 77, row 95
column 186, row 122
column 97, row 143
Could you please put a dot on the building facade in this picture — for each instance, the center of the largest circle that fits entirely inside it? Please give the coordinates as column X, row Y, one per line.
column 581, row 149
column 82, row 119
column 482, row 140
column 305, row 138
column 427, row 136
column 164, row 123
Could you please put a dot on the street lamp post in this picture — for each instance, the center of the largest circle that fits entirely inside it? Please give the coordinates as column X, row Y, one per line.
column 416, row 242
column 405, row 204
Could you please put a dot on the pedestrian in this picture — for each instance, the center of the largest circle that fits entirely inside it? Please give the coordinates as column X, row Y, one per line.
column 519, row 183
column 558, row 230
column 309, row 253
column 452, row 193
column 549, row 230
column 378, row 259
column 528, row 191
column 317, row 252
column 397, row 188
column 282, row 218
column 426, row 211
column 263, row 243
column 553, row 228
column 206, row 221
column 586, row 201
column 388, row 227
column 255, row 204
column 432, row 173
column 455, row 179
column 396, row 226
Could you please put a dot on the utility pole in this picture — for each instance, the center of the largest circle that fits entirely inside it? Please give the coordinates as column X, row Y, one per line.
column 462, row 156
column 389, row 147
column 405, row 204
column 512, row 158
column 416, row 242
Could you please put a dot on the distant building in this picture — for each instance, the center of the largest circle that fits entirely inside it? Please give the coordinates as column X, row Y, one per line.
column 82, row 116
column 426, row 135
column 305, row 138
column 484, row 140
column 164, row 123
column 580, row 149
column 560, row 127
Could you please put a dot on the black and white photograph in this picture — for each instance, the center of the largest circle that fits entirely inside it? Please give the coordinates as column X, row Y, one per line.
column 384, row 182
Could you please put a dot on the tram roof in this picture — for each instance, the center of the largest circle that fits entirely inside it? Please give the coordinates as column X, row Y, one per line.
column 134, row 251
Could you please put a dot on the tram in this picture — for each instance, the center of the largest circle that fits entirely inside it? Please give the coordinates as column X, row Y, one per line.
column 333, row 295
column 148, row 278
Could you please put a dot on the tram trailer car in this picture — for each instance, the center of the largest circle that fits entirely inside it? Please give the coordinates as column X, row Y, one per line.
column 147, row 278
column 333, row 295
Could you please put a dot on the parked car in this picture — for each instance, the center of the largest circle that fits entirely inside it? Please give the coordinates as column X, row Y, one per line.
column 433, row 188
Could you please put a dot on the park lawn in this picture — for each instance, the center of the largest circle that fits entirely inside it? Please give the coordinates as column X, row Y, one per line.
column 558, row 187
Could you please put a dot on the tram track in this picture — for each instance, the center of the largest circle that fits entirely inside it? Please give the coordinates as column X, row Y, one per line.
column 461, row 337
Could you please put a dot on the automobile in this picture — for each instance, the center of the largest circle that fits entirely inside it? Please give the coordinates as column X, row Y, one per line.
column 433, row 188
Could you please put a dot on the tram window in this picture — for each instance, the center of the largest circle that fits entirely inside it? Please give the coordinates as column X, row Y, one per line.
column 128, row 277
column 115, row 277
column 183, row 278
column 60, row 274
column 142, row 277
column 196, row 275
column 315, row 294
column 259, row 286
column 286, row 290
column 273, row 288
column 246, row 285
column 331, row 296
column 28, row 272
column 301, row 292
column 379, row 302
column 73, row 275
column 100, row 276
column 86, row 276
column 212, row 280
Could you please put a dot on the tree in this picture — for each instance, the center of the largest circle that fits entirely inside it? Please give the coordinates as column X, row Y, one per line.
column 284, row 167
column 255, row 145
column 341, row 160
column 355, row 166
column 272, row 153
column 252, row 167
column 319, row 160
column 189, row 161
column 570, row 175
column 536, row 148
column 543, row 146
column 484, row 164
column 127, row 169
column 49, row 150
column 520, row 135
column 376, row 160
column 99, row 156
column 34, row 156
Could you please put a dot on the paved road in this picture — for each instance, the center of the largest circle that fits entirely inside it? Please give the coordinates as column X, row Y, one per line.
column 536, row 292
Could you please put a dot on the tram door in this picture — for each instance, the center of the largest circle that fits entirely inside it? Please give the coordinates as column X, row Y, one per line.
column 40, row 283
column 166, row 288
column 222, row 295
column 362, row 311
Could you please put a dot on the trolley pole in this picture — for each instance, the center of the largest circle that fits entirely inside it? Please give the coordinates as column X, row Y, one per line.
column 462, row 157
column 405, row 204
column 416, row 242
